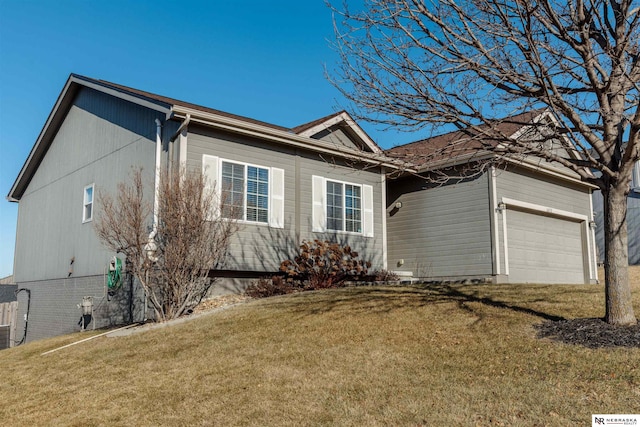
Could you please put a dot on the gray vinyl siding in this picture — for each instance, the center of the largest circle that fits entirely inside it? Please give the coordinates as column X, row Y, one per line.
column 369, row 248
column 99, row 142
column 633, row 225
column 53, row 309
column 336, row 136
column 261, row 248
column 440, row 231
column 531, row 187
column 527, row 186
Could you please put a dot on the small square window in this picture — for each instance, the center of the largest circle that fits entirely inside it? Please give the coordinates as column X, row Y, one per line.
column 87, row 205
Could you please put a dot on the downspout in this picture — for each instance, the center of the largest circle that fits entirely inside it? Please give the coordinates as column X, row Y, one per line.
column 156, row 193
column 150, row 247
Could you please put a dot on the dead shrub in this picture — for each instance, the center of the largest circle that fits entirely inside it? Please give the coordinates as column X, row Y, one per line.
column 324, row 264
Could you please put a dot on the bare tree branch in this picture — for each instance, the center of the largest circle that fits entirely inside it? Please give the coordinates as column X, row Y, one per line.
column 173, row 261
column 465, row 64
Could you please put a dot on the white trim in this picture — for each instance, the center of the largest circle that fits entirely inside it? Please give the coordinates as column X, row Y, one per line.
column 635, row 176
column 506, row 240
column 494, row 213
column 556, row 213
column 383, row 216
column 244, row 219
column 526, row 163
column 210, row 167
column 285, row 137
column 276, row 198
column 544, row 209
column 343, row 117
column 182, row 147
column 367, row 220
column 85, row 203
column 319, row 207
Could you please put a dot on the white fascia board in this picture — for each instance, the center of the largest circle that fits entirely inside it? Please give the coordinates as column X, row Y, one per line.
column 321, row 126
column 282, row 137
column 343, row 117
column 528, row 164
column 525, row 163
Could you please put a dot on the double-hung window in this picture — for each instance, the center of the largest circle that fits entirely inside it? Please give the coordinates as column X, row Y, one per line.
column 342, row 206
column 247, row 192
column 87, row 203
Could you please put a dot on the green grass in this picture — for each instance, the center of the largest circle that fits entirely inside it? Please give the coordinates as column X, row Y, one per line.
column 445, row 355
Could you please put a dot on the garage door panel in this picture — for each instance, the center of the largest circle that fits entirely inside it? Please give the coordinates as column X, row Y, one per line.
column 544, row 249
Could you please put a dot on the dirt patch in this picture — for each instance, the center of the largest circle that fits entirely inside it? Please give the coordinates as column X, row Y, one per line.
column 591, row 333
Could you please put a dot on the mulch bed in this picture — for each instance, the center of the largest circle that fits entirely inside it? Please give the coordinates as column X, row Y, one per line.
column 591, row 333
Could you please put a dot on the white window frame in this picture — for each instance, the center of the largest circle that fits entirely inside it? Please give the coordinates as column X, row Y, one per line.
column 635, row 177
column 212, row 169
column 319, row 209
column 88, row 203
column 245, row 189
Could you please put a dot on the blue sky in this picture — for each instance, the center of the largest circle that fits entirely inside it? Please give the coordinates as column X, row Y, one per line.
column 261, row 59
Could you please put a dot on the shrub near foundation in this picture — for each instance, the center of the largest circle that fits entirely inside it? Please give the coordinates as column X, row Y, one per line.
column 322, row 264
column 319, row 265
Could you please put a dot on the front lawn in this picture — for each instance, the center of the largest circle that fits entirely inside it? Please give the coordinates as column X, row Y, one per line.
column 412, row 355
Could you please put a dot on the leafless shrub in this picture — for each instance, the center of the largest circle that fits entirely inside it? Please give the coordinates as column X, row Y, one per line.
column 174, row 260
column 323, row 264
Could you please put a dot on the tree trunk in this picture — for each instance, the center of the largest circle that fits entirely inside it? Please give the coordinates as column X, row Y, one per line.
column 619, row 310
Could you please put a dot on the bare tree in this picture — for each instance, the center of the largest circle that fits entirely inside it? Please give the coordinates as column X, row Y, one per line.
column 172, row 262
column 419, row 63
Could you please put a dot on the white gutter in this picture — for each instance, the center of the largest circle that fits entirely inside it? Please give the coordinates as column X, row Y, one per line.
column 525, row 163
column 284, row 137
column 183, row 126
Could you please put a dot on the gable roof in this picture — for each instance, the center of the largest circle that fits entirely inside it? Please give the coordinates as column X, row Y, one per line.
column 453, row 145
column 174, row 109
column 341, row 119
column 172, row 102
column 459, row 147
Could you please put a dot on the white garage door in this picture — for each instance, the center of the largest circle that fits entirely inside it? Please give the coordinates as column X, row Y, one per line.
column 544, row 249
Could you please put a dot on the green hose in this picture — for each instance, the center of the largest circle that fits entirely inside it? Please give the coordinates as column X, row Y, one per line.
column 114, row 278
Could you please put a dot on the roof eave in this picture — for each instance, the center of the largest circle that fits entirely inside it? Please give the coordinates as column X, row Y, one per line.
column 348, row 120
column 54, row 119
column 284, row 137
column 526, row 163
